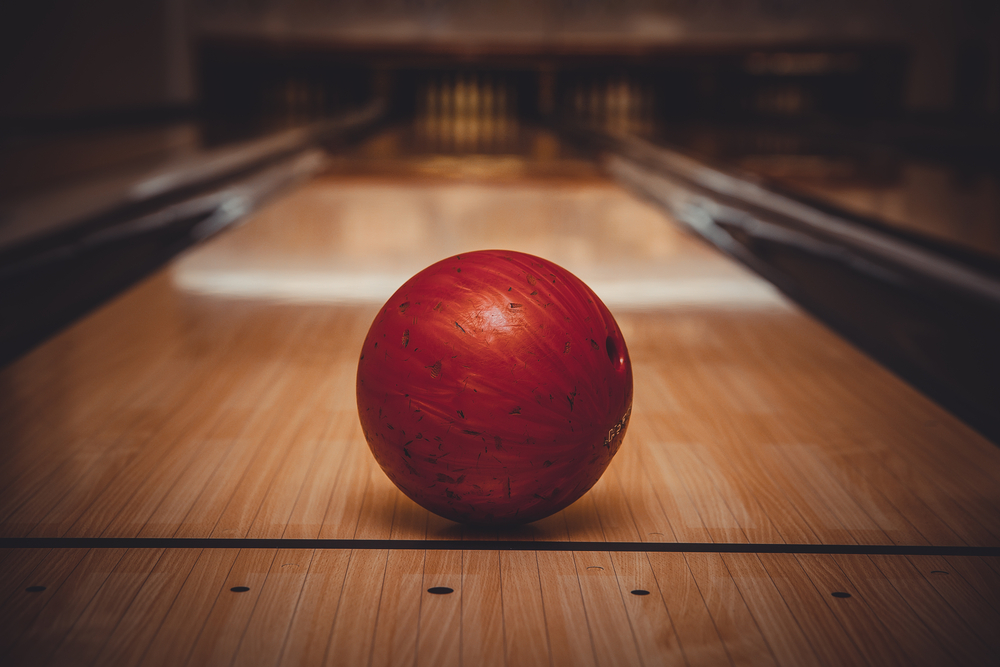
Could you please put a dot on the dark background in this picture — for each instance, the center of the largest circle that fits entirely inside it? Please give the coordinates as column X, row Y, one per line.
column 64, row 59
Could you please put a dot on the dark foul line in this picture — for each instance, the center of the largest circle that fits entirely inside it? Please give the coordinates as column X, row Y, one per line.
column 487, row 545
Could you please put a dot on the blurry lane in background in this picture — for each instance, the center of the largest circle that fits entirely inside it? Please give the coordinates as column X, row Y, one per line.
column 152, row 127
column 125, row 127
column 345, row 240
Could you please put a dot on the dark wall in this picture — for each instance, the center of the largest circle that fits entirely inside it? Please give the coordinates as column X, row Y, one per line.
column 71, row 57
column 66, row 57
column 954, row 45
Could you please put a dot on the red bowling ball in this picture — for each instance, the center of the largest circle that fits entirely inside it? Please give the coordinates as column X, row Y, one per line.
column 494, row 387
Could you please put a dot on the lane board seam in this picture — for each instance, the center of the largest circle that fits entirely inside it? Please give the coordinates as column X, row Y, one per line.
column 487, row 545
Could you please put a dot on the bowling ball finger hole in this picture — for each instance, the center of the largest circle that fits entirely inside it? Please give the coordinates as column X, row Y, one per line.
column 840, row 594
column 640, row 591
column 35, row 589
column 440, row 590
column 611, row 345
column 240, row 589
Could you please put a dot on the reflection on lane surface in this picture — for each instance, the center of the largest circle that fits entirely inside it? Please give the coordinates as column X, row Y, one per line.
column 354, row 240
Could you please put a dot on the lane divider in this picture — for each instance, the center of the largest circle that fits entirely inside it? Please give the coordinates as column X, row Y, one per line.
column 490, row 545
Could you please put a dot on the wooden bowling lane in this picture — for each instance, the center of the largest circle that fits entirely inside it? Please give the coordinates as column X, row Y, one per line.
column 404, row 606
column 215, row 400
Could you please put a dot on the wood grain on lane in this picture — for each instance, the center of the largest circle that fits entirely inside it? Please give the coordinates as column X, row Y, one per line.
column 217, row 399
column 213, row 414
column 177, row 606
